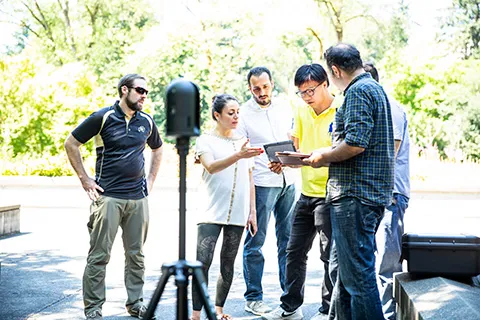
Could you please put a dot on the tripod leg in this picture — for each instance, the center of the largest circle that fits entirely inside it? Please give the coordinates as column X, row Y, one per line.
column 167, row 271
column 199, row 282
column 181, row 281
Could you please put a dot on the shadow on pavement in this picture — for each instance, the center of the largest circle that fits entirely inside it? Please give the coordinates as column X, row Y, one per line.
column 235, row 302
column 33, row 281
column 14, row 235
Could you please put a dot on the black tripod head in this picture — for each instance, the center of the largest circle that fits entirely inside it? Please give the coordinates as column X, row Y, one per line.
column 182, row 101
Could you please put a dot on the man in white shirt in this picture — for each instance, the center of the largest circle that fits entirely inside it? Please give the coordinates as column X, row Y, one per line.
column 263, row 120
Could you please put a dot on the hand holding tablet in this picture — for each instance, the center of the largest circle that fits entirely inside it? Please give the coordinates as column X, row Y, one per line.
column 291, row 158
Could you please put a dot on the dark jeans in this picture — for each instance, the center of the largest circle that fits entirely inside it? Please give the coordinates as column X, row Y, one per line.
column 333, row 273
column 311, row 215
column 208, row 234
column 281, row 201
column 355, row 294
column 389, row 250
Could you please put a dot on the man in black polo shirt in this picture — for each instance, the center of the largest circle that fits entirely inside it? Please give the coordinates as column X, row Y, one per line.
column 119, row 190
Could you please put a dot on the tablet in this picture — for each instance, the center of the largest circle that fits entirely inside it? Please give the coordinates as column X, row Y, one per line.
column 292, row 158
column 282, row 146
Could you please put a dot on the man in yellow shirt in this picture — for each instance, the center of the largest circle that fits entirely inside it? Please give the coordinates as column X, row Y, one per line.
column 312, row 130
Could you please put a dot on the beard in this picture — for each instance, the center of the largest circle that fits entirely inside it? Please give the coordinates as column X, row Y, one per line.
column 133, row 105
column 264, row 102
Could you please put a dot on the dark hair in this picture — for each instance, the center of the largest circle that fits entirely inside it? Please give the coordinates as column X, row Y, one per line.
column 127, row 80
column 257, row 71
column 370, row 68
column 311, row 72
column 219, row 102
column 344, row 56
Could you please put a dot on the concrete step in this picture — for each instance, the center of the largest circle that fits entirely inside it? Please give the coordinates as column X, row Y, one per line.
column 435, row 298
column 9, row 219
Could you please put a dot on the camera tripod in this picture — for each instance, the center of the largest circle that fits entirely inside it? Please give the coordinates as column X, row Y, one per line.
column 182, row 269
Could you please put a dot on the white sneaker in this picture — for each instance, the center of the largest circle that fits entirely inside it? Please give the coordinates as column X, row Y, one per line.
column 279, row 314
column 257, row 307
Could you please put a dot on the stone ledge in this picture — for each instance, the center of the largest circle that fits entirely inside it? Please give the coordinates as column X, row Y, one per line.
column 9, row 219
column 435, row 298
column 9, row 207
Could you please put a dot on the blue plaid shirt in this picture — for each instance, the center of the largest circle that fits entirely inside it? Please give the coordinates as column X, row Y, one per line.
column 364, row 120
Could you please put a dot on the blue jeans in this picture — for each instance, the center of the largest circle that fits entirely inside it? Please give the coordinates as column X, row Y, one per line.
column 389, row 250
column 355, row 293
column 333, row 273
column 311, row 216
column 280, row 200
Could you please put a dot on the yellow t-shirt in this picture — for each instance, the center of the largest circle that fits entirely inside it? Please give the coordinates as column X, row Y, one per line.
column 313, row 132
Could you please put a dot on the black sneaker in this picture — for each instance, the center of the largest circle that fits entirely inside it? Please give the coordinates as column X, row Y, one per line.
column 94, row 315
column 138, row 310
column 323, row 309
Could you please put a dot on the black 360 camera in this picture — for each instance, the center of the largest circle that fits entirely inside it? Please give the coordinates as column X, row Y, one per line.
column 182, row 101
column 183, row 109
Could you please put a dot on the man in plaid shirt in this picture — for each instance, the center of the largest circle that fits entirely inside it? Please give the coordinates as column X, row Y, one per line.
column 360, row 181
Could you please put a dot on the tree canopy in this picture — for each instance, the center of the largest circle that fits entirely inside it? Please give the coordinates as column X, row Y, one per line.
column 68, row 55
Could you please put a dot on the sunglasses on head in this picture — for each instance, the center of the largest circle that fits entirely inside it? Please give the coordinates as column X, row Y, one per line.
column 139, row 90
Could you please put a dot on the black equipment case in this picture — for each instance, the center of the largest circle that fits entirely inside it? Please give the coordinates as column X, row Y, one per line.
column 442, row 254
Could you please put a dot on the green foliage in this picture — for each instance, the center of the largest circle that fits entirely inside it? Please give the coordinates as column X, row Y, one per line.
column 69, row 55
column 74, row 52
column 443, row 106
column 217, row 56
column 344, row 13
column 471, row 129
column 50, row 166
column 99, row 33
column 469, row 101
column 461, row 28
column 390, row 37
column 115, row 26
column 37, row 115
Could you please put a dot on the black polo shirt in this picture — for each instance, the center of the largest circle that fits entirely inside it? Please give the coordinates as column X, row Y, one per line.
column 120, row 165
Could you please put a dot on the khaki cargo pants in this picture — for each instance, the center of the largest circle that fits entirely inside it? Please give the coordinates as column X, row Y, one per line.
column 106, row 215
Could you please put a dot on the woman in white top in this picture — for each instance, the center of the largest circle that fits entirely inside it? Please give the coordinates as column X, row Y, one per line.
column 228, row 186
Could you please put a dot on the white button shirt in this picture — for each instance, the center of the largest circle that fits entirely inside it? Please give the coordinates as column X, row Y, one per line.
column 262, row 126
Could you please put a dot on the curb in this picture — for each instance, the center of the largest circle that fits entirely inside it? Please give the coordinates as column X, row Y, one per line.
column 192, row 184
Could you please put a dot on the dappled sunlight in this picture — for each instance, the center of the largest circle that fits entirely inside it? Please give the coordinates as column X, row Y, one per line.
column 437, row 298
column 433, row 300
column 30, row 275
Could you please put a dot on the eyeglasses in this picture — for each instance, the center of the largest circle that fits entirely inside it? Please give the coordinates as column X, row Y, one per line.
column 309, row 92
column 140, row 90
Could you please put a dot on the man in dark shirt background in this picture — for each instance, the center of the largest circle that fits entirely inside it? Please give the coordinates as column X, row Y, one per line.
column 391, row 228
column 360, row 182
column 119, row 190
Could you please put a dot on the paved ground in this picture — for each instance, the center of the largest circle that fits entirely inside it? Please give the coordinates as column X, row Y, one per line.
column 41, row 268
